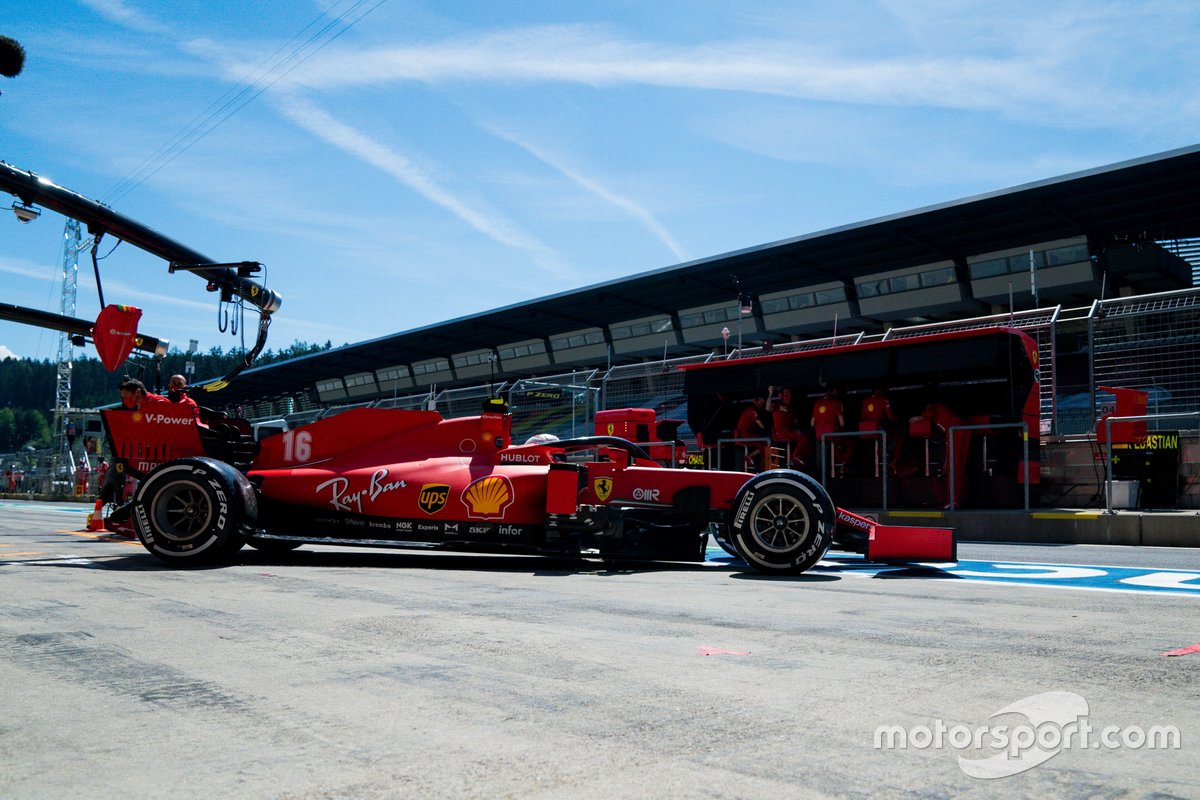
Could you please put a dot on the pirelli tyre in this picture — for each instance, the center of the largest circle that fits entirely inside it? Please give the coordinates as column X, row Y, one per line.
column 191, row 511
column 782, row 522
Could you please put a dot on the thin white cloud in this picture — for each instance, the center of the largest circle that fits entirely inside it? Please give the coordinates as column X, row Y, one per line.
column 593, row 186
column 119, row 12
column 398, row 166
column 126, row 294
column 593, row 56
column 27, row 269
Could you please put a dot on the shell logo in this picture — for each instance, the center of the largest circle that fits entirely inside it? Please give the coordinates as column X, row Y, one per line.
column 487, row 498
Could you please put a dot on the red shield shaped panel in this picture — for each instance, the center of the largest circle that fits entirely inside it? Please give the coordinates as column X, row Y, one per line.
column 115, row 334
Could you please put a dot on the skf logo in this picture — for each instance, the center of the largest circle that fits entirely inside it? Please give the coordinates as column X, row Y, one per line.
column 487, row 497
column 433, row 497
column 603, row 488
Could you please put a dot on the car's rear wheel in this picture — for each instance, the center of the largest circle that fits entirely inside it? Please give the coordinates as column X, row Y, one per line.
column 190, row 511
column 782, row 522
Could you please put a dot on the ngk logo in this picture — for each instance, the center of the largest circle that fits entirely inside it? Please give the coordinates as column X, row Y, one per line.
column 646, row 494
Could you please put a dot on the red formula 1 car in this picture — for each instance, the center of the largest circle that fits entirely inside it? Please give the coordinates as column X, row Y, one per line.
column 411, row 479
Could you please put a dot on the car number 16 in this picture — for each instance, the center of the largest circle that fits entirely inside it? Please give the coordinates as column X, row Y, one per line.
column 297, row 446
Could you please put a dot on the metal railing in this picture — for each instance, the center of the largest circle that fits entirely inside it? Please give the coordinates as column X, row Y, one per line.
column 883, row 473
column 1108, row 423
column 991, row 427
column 745, row 443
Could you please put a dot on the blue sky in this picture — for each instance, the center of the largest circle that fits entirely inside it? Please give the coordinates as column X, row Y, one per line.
column 403, row 163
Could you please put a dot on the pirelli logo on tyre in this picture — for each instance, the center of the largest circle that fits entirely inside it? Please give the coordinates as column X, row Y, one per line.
column 432, row 498
column 744, row 509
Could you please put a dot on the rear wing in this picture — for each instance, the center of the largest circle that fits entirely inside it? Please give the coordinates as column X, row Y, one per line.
column 159, row 432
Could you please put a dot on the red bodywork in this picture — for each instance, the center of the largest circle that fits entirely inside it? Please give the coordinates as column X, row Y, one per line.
column 412, row 478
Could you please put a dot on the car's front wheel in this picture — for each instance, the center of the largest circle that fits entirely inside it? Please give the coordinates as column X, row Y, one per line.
column 190, row 511
column 782, row 522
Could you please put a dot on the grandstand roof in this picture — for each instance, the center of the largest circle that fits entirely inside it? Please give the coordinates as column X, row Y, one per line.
column 1154, row 198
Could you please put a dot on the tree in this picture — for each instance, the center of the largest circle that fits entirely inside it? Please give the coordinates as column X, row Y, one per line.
column 29, row 384
column 32, row 428
column 8, row 430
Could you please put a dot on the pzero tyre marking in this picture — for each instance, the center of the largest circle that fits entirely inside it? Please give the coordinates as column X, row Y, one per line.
column 782, row 522
column 191, row 511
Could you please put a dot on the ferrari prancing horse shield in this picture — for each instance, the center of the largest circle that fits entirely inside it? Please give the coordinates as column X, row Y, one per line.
column 603, row 488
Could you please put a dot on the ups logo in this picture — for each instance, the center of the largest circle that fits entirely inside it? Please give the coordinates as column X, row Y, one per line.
column 433, row 497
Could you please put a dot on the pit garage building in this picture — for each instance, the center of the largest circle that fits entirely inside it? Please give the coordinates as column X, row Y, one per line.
column 1125, row 230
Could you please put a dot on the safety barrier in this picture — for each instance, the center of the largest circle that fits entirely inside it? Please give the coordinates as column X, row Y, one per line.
column 1108, row 423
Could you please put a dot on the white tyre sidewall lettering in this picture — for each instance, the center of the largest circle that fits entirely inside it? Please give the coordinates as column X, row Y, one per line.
column 193, row 473
column 819, row 533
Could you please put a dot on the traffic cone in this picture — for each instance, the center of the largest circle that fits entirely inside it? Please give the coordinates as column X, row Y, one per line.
column 95, row 520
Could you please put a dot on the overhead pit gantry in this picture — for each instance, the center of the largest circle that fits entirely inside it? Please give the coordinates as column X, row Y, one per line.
column 230, row 279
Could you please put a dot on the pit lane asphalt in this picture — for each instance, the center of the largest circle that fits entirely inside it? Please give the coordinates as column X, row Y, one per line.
column 349, row 673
